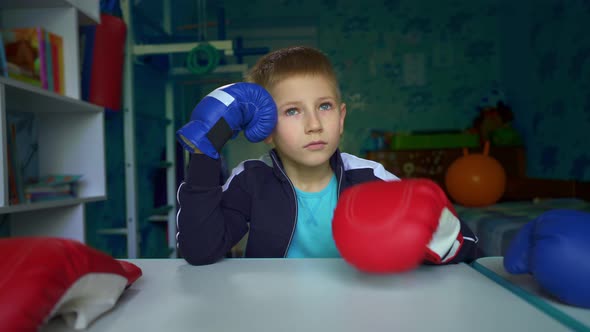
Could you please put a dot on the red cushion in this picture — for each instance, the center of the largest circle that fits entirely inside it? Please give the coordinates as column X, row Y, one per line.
column 43, row 277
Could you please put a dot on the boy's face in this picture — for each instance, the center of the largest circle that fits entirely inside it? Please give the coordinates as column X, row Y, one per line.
column 310, row 120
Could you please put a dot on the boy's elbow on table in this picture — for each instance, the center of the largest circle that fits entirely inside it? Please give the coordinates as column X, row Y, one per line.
column 195, row 259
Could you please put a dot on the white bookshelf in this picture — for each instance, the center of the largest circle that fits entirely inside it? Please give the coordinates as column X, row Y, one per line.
column 88, row 10
column 70, row 131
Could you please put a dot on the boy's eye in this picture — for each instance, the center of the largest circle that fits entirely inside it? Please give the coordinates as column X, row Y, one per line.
column 291, row 112
column 326, row 106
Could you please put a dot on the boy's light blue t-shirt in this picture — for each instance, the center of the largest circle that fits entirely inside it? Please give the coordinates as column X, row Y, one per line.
column 313, row 232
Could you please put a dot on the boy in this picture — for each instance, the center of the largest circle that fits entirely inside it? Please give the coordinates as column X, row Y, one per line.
column 286, row 199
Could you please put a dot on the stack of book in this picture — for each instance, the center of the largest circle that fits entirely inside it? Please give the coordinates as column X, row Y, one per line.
column 52, row 187
column 33, row 55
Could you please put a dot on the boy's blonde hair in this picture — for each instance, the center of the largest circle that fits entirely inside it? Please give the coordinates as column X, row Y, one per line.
column 287, row 62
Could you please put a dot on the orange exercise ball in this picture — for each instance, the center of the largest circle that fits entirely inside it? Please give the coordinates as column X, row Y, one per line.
column 476, row 179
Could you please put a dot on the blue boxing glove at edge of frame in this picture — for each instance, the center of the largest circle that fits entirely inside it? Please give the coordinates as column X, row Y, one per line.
column 555, row 249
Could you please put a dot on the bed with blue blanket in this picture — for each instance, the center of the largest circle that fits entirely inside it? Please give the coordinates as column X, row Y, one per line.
column 497, row 224
column 524, row 198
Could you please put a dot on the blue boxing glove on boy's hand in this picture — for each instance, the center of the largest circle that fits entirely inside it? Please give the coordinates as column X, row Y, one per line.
column 224, row 112
column 555, row 249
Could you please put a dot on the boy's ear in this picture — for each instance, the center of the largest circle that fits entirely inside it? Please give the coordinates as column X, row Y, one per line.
column 342, row 117
column 268, row 140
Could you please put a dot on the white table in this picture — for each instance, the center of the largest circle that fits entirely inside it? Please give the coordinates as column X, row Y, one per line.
column 237, row 295
column 528, row 289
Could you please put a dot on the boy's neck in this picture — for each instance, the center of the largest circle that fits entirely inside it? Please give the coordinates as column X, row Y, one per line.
column 310, row 179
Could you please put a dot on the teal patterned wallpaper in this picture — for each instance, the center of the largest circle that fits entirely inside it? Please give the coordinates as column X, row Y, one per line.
column 403, row 65
column 423, row 65
column 547, row 69
column 410, row 65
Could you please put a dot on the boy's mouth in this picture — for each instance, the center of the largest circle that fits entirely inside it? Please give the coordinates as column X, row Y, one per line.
column 315, row 145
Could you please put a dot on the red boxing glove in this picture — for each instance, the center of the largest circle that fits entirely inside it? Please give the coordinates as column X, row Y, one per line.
column 386, row 227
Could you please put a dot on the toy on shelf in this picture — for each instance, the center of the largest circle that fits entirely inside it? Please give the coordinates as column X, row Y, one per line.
column 494, row 121
column 476, row 179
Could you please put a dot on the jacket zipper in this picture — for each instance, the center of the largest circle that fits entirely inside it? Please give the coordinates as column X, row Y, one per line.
column 295, row 197
column 339, row 184
column 296, row 207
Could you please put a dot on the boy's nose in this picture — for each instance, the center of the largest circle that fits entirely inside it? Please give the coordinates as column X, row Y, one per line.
column 312, row 123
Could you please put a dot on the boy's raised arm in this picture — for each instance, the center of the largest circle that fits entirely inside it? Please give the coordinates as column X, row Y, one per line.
column 207, row 228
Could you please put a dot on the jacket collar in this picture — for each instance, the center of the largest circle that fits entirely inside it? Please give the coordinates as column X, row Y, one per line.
column 279, row 170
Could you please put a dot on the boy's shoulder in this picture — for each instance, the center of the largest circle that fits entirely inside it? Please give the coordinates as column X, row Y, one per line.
column 251, row 168
column 264, row 162
column 356, row 164
column 351, row 162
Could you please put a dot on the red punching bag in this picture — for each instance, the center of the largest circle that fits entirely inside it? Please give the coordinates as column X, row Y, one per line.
column 108, row 54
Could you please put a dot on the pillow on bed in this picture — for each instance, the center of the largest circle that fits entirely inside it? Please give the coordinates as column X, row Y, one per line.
column 44, row 277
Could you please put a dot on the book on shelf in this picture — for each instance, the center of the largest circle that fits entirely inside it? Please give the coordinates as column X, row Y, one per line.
column 22, row 153
column 15, row 192
column 57, row 55
column 3, row 64
column 26, row 142
column 52, row 187
column 48, row 61
column 35, row 56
